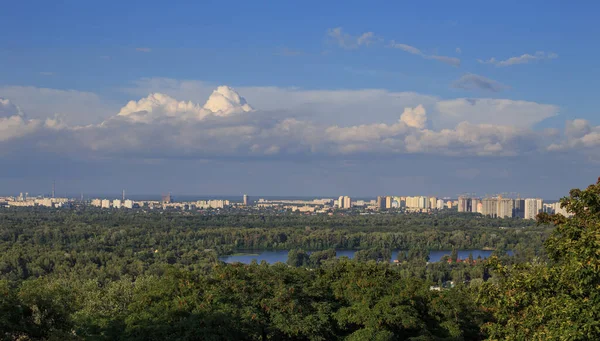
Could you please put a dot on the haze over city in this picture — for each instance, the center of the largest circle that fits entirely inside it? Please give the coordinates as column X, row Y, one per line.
column 317, row 100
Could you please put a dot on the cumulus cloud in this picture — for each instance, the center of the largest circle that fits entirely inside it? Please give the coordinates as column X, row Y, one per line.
column 522, row 59
column 223, row 101
column 413, row 50
column 226, row 126
column 414, row 117
column 581, row 136
column 348, row 41
column 361, row 106
column 13, row 122
column 472, row 81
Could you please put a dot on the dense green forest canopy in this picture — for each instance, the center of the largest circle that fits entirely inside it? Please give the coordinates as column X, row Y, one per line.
column 117, row 275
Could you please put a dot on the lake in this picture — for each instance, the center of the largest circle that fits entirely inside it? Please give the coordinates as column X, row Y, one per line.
column 272, row 257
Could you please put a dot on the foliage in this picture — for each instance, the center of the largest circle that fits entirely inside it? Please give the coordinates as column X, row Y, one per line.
column 558, row 299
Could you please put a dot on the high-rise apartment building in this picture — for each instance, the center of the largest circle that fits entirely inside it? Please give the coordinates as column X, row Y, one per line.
column 506, row 207
column 440, row 204
column 388, row 202
column 532, row 208
column 380, row 202
column 117, row 203
column 347, row 202
column 340, row 203
column 245, row 199
column 128, row 203
column 464, row 204
column 474, row 205
column 432, row 202
column 489, row 207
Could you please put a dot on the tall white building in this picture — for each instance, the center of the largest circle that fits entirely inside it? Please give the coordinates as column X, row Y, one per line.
column 423, row 202
column 440, row 204
column 117, row 203
column 533, row 207
column 128, row 203
column 341, row 202
column 506, row 207
column 348, row 202
column 105, row 203
column 475, row 205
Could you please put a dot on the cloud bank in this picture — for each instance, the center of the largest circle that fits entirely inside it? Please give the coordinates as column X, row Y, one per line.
column 159, row 126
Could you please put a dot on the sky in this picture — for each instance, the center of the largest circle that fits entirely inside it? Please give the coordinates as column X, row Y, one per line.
column 299, row 98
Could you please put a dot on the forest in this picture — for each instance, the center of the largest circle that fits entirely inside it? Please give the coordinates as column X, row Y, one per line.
column 87, row 274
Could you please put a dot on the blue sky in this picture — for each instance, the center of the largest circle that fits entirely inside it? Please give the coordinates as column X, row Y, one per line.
column 85, row 60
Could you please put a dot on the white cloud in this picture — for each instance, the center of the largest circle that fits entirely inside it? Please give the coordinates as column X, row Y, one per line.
column 143, row 49
column 76, row 107
column 347, row 41
column 580, row 136
column 458, row 50
column 413, row 50
column 414, row 117
column 13, row 122
column 502, row 112
column 223, row 101
column 522, row 59
column 472, row 81
column 362, row 106
column 161, row 126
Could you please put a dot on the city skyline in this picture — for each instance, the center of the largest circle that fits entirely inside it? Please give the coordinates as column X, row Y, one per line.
column 470, row 98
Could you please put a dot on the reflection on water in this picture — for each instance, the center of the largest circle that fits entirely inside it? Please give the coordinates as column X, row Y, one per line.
column 272, row 257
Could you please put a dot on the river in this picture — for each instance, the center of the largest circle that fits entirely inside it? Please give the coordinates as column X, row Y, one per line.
column 272, row 257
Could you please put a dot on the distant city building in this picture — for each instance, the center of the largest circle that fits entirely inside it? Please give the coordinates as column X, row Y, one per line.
column 489, row 207
column 128, row 203
column 554, row 208
column 245, row 199
column 432, row 202
column 532, row 208
column 440, row 204
column 116, row 203
column 474, row 205
column 464, row 204
column 340, row 203
column 347, row 202
column 388, row 202
column 105, row 203
column 505, row 208
column 520, row 208
column 380, row 202
column 423, row 202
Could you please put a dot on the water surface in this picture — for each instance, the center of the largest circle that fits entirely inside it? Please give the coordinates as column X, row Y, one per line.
column 273, row 257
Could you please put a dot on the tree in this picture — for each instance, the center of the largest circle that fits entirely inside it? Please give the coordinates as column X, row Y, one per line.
column 553, row 300
column 297, row 257
column 454, row 255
